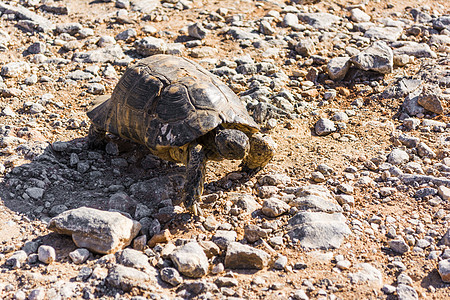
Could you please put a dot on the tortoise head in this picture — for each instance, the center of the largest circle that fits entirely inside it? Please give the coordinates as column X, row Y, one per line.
column 232, row 143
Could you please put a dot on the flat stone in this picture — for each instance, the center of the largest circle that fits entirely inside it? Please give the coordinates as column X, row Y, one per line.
column 210, row 248
column 241, row 34
column 431, row 99
column 203, row 52
column 305, row 47
column 133, row 258
column 79, row 75
column 388, row 289
column 70, row 28
column 126, row 278
column 35, row 192
column 401, row 60
column 145, row 6
column 398, row 157
column 411, row 103
column 274, row 207
column 398, row 245
column 406, row 292
column 247, row 203
column 415, row 49
column 324, row 126
column 99, row 231
column 367, row 274
column 402, row 278
column 197, row 31
column 211, row 223
column 319, row 20
column 56, row 9
column 38, row 22
column 175, row 48
column 266, row 28
column 223, row 238
column 300, row 295
column 150, row 46
column 338, row 67
column 343, row 264
column 409, row 141
column 390, row 34
column 96, row 89
column 15, row 69
column 318, row 177
column 425, row 151
column 316, row 203
column 439, row 39
column 38, row 47
column 280, row 263
column 102, row 55
column 241, row 256
column 252, row 233
column 274, row 179
column 190, row 260
column 318, row 230
column 126, row 34
column 377, row 57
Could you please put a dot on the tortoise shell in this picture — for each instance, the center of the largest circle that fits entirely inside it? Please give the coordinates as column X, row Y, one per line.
column 168, row 101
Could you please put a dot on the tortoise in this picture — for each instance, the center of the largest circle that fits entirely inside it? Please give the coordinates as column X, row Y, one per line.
column 181, row 113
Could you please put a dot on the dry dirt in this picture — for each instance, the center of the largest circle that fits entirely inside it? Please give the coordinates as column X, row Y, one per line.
column 300, row 151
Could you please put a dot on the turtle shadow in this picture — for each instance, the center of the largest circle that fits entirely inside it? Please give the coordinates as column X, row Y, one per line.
column 44, row 181
column 434, row 279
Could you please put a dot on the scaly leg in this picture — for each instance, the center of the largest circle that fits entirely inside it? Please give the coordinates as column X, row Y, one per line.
column 195, row 177
column 96, row 137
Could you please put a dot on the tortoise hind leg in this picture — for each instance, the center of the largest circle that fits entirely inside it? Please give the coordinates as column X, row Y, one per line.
column 195, row 177
column 96, row 137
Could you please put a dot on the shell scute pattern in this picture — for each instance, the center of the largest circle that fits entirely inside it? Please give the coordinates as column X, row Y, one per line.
column 165, row 101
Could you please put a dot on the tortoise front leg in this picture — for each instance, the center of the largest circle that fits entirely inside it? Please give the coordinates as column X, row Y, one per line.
column 195, row 177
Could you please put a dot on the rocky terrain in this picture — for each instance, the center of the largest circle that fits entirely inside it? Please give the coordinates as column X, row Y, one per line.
column 354, row 205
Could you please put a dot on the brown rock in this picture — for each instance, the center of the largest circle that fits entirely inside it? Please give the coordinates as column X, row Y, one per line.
column 431, row 99
column 162, row 237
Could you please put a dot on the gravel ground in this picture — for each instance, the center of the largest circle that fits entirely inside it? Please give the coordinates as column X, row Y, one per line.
column 355, row 203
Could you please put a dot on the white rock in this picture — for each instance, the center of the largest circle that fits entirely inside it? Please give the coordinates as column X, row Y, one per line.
column 444, row 192
column 358, row 15
column 398, row 157
column 15, row 69
column 190, row 260
column 46, row 254
column 367, row 273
